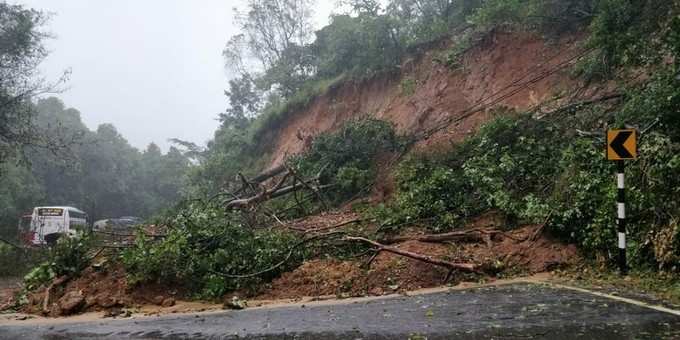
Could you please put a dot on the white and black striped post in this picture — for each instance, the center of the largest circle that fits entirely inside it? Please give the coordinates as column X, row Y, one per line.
column 621, row 214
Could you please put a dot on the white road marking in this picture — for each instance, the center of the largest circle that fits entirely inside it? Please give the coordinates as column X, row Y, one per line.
column 618, row 298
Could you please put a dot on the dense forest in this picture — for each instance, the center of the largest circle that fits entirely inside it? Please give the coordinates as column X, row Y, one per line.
column 98, row 171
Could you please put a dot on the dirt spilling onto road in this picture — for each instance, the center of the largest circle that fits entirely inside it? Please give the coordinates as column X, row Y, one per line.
column 106, row 287
column 9, row 287
column 102, row 288
column 514, row 254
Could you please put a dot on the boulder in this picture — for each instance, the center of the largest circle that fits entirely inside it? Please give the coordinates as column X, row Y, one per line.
column 169, row 302
column 71, row 302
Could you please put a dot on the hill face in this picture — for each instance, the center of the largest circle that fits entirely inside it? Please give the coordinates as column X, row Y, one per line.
column 518, row 71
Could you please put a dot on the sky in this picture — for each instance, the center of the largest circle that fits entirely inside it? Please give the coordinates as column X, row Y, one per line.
column 153, row 68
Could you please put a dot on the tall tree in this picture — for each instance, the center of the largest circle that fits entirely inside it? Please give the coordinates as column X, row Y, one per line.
column 21, row 51
column 273, row 33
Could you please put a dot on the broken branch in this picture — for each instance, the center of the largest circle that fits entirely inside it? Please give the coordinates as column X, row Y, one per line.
column 312, row 189
column 337, row 225
column 464, row 267
column 58, row 281
column 268, row 174
column 11, row 244
column 282, row 262
column 474, row 235
column 244, row 203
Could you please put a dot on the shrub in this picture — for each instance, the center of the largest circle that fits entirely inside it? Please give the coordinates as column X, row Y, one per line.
column 17, row 262
column 509, row 165
column 346, row 158
column 203, row 246
column 68, row 257
column 513, row 164
column 408, row 87
column 427, row 188
column 529, row 170
column 552, row 17
column 624, row 33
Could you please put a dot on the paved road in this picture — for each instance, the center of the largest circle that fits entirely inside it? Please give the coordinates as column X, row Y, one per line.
column 518, row 311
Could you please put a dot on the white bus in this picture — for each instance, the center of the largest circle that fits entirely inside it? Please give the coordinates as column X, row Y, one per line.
column 49, row 223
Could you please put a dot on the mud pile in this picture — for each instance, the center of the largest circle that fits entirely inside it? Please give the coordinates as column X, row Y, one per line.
column 515, row 254
column 100, row 288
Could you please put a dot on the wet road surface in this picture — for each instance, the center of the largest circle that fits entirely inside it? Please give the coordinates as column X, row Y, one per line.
column 517, row 311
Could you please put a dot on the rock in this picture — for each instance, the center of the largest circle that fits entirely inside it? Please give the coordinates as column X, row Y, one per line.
column 90, row 300
column 158, row 300
column 71, row 301
column 118, row 312
column 169, row 302
column 235, row 303
column 106, row 301
column 54, row 310
column 113, row 312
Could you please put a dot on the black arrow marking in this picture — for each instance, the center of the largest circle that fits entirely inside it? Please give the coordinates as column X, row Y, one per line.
column 617, row 144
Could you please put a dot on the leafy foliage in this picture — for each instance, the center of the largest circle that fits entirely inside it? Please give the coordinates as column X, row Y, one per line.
column 622, row 32
column 21, row 51
column 532, row 170
column 293, row 66
column 506, row 166
column 552, row 17
column 68, row 257
column 16, row 262
column 346, row 157
column 203, row 246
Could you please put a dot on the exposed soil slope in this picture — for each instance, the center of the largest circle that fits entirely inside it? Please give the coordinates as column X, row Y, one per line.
column 513, row 70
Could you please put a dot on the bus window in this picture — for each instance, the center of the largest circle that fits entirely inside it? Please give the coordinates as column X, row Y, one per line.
column 77, row 221
column 75, row 214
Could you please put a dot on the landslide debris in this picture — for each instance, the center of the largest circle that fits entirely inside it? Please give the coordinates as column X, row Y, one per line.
column 517, row 254
column 103, row 288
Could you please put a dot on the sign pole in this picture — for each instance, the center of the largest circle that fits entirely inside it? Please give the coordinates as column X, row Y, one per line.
column 621, row 145
column 621, row 214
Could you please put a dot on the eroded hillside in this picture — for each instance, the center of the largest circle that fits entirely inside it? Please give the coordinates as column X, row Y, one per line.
column 517, row 70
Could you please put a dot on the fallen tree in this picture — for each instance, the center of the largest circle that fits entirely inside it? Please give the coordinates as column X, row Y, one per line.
column 451, row 266
column 254, row 191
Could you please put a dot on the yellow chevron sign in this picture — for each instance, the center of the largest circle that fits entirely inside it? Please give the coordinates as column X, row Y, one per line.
column 621, row 144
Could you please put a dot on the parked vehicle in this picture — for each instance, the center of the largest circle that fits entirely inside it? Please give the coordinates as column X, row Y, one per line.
column 48, row 224
column 117, row 230
column 117, row 224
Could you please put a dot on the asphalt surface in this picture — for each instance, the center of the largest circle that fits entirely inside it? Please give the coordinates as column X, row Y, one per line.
column 518, row 311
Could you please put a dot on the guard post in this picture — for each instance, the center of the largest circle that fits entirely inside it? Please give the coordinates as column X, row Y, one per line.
column 621, row 146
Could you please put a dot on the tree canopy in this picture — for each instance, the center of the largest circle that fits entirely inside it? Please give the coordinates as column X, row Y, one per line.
column 21, row 51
